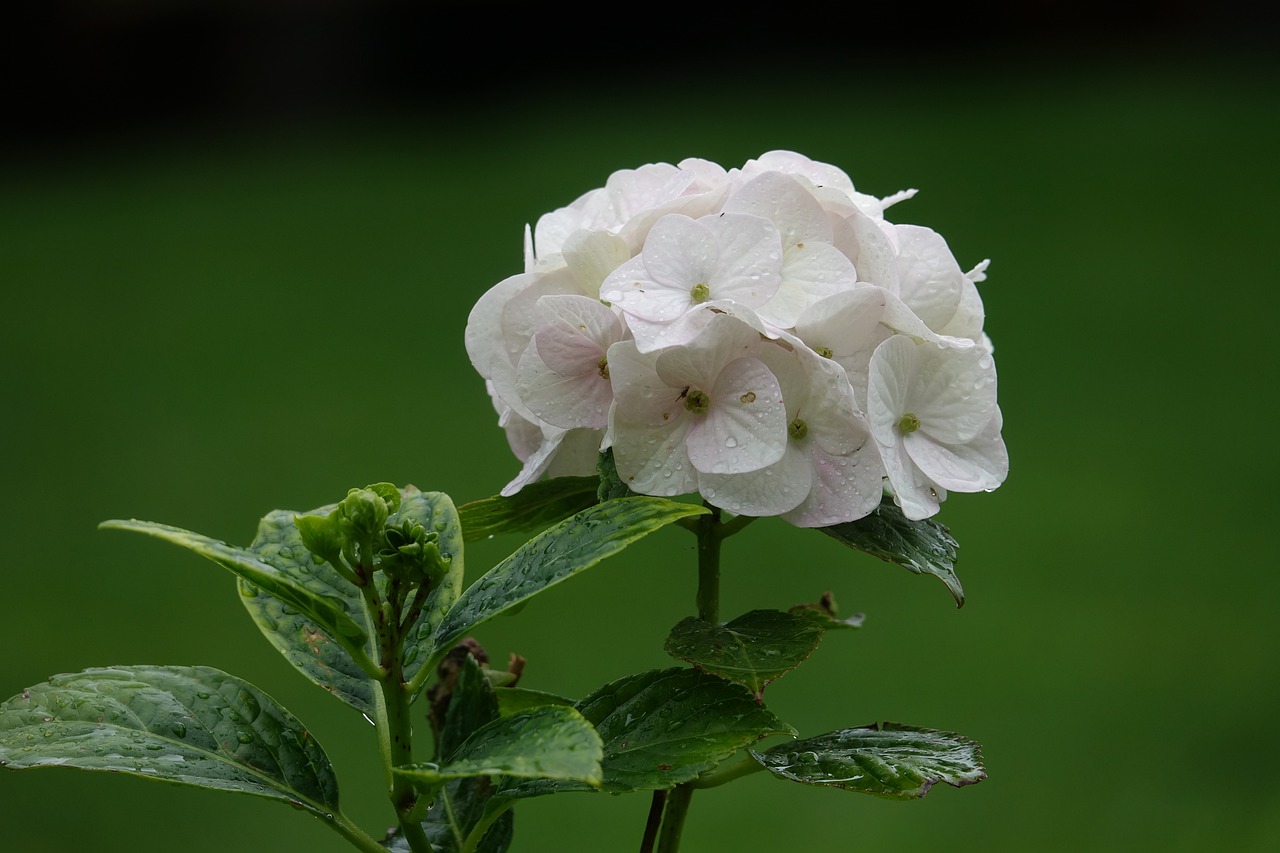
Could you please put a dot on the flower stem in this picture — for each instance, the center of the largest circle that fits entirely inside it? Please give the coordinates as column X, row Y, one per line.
column 654, row 821
column 709, row 538
column 711, row 532
column 357, row 836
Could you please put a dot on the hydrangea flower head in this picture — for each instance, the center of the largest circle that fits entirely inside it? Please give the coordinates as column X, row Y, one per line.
column 763, row 336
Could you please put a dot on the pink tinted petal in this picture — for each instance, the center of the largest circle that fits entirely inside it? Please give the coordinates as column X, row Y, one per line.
column 844, row 488
column 580, row 400
column 574, row 333
column 640, row 396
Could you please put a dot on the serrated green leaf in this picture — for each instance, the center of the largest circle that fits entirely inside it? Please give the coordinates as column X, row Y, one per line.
column 514, row 699
column 328, row 612
column 188, row 725
column 535, row 507
column 888, row 760
column 664, row 727
column 572, row 546
column 753, row 650
column 923, row 547
column 547, row 742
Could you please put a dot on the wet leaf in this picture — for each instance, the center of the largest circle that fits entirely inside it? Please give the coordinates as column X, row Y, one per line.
column 889, row 760
column 188, row 725
column 513, row 699
column 753, row 650
column 572, row 546
column 533, row 508
column 664, row 727
column 924, row 547
column 547, row 742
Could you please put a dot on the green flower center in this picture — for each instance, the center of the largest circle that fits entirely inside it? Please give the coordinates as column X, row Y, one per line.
column 700, row 293
column 603, row 366
column 797, row 429
column 697, row 402
column 909, row 423
column 825, row 352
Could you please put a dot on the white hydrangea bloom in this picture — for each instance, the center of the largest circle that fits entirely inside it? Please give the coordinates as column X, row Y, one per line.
column 763, row 336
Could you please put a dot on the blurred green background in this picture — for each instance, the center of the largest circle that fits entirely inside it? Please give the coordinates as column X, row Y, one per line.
column 214, row 314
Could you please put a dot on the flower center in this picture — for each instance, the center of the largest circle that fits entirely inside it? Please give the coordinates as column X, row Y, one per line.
column 697, row 402
column 700, row 293
column 797, row 429
column 602, row 366
column 825, row 352
column 909, row 423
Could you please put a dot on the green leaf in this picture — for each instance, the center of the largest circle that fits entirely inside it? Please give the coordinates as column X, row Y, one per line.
column 328, row 612
column 189, row 725
column 611, row 485
column 548, row 742
column 572, row 546
column 460, row 806
column 535, row 507
column 924, row 547
column 889, row 760
column 664, row 727
column 436, row 513
column 311, row 649
column 753, row 650
column 308, row 646
column 514, row 699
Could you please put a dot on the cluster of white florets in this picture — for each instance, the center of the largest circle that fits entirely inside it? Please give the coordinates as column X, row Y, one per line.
column 762, row 336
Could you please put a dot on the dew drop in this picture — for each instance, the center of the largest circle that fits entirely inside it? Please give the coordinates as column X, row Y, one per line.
column 731, row 442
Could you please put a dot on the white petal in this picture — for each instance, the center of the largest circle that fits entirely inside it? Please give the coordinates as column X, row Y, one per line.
column 579, row 400
column 632, row 288
column 772, row 490
column 844, row 488
column 592, row 255
column 787, row 203
column 845, row 321
column 651, row 459
column 640, row 395
column 749, row 264
column 977, row 466
column 911, row 490
column 953, row 392
column 745, row 427
column 536, row 465
column 723, row 339
column 891, row 372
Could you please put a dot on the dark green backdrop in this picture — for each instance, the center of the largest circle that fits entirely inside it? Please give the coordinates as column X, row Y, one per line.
column 201, row 328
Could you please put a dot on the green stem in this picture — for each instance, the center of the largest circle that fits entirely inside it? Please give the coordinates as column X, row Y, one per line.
column 673, row 819
column 728, row 773
column 711, row 532
column 391, row 714
column 709, row 538
column 357, row 836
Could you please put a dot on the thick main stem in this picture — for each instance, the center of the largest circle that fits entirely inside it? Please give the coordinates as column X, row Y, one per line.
column 394, row 725
column 710, row 534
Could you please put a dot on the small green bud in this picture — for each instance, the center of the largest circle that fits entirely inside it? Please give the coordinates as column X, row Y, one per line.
column 321, row 535
column 363, row 512
column 909, row 423
column 700, row 293
column 797, row 429
column 697, row 402
column 825, row 352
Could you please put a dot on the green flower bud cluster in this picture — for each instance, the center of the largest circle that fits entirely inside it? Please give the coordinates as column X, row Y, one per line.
column 362, row 536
